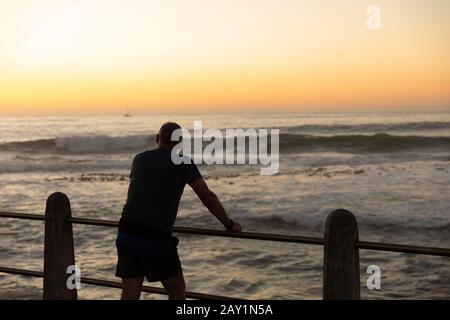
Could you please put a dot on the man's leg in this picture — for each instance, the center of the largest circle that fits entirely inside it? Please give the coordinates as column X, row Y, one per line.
column 131, row 288
column 175, row 287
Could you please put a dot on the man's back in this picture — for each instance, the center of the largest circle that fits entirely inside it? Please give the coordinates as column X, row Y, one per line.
column 154, row 194
column 156, row 187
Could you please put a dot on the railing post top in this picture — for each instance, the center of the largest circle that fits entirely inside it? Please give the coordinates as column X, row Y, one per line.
column 58, row 196
column 341, row 257
column 341, row 218
column 58, row 202
column 58, row 248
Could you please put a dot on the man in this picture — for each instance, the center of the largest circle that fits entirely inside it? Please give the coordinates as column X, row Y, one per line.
column 145, row 245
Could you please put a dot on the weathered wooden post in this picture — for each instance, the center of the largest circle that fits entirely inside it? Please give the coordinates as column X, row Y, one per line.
column 58, row 248
column 341, row 257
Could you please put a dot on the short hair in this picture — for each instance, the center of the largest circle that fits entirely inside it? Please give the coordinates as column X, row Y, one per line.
column 165, row 133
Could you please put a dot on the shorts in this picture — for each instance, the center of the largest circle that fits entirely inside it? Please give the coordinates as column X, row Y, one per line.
column 157, row 260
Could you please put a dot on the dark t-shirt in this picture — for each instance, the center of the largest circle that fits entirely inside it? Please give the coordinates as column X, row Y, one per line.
column 156, row 187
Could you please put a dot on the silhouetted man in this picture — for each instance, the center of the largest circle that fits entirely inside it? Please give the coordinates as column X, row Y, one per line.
column 145, row 245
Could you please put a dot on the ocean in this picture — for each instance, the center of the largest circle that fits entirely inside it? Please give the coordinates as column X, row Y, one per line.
column 392, row 170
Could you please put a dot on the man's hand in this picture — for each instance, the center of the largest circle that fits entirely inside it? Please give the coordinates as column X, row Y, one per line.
column 235, row 227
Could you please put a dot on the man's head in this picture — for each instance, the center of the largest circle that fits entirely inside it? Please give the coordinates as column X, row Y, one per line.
column 164, row 137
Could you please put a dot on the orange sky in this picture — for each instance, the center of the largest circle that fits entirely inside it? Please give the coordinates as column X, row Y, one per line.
column 77, row 57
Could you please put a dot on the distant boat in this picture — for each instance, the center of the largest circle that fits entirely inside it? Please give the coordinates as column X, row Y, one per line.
column 127, row 113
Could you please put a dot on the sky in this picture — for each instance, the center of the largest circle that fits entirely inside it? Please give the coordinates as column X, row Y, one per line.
column 97, row 57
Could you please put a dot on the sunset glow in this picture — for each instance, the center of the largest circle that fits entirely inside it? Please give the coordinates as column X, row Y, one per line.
column 81, row 57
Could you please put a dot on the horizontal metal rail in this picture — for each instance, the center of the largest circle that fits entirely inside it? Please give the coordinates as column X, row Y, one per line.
column 378, row 246
column 403, row 248
column 25, row 216
column 213, row 232
column 186, row 230
column 115, row 284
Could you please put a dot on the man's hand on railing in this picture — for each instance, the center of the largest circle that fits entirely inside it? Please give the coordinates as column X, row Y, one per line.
column 233, row 226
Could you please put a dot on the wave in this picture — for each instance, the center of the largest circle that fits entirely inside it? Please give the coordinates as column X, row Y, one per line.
column 369, row 127
column 289, row 143
column 376, row 143
column 82, row 144
column 316, row 222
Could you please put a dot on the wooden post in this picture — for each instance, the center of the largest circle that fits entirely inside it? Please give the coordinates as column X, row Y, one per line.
column 341, row 257
column 58, row 248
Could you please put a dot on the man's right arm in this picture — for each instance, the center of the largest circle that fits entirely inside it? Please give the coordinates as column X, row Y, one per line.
column 212, row 202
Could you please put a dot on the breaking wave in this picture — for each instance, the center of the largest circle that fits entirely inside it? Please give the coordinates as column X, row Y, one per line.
column 82, row 144
column 376, row 143
column 289, row 143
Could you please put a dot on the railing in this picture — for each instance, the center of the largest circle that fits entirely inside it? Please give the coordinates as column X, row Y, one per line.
column 341, row 251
